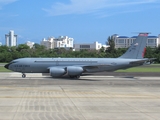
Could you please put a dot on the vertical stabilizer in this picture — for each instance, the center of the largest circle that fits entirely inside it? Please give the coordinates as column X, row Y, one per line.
column 138, row 48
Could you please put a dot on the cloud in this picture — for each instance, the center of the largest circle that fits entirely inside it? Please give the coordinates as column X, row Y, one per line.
column 5, row 2
column 90, row 6
column 102, row 15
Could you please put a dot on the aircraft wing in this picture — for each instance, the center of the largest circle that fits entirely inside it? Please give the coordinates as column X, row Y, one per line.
column 92, row 66
column 85, row 67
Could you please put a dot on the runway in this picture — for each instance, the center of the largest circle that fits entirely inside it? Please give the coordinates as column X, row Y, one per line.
column 98, row 97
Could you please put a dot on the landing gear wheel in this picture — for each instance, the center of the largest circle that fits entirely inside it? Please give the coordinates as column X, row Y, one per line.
column 23, row 75
column 78, row 76
column 75, row 76
column 71, row 76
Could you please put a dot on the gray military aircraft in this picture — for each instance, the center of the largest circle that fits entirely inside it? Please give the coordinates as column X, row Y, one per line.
column 75, row 67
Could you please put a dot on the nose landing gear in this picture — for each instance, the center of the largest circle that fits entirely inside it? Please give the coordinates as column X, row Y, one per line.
column 23, row 75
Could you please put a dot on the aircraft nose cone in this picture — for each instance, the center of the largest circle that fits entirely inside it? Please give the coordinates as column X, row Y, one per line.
column 6, row 66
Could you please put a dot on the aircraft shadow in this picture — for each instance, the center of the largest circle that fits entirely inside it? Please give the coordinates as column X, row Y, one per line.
column 71, row 79
column 129, row 77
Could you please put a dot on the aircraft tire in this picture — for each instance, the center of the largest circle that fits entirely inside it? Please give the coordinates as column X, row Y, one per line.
column 75, row 77
column 78, row 76
column 71, row 76
column 23, row 75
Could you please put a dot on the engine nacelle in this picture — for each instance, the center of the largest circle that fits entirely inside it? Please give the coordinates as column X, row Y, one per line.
column 74, row 70
column 57, row 72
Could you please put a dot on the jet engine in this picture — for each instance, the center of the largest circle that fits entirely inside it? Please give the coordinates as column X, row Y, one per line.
column 74, row 70
column 57, row 72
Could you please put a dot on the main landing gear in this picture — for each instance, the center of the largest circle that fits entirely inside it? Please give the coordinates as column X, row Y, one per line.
column 23, row 75
column 75, row 76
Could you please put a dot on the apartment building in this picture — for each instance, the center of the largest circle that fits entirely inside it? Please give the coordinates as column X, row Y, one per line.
column 64, row 42
column 30, row 44
column 48, row 43
column 125, row 41
column 11, row 39
column 60, row 42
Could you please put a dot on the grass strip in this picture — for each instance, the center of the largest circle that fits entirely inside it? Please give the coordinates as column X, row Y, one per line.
column 2, row 69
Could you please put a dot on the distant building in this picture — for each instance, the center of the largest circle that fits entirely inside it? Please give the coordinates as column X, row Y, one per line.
column 64, row 42
column 11, row 39
column 125, row 42
column 0, row 44
column 30, row 44
column 61, row 42
column 49, row 44
column 89, row 46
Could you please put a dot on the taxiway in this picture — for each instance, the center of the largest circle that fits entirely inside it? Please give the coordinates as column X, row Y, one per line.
column 99, row 97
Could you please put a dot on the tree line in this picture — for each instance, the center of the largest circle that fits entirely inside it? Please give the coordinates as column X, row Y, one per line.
column 8, row 54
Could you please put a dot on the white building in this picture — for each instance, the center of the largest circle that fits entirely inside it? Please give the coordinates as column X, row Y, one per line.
column 11, row 39
column 0, row 44
column 30, row 44
column 89, row 46
column 64, row 42
column 125, row 42
column 61, row 42
column 49, row 44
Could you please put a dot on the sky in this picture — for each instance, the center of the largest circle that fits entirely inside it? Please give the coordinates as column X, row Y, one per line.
column 86, row 21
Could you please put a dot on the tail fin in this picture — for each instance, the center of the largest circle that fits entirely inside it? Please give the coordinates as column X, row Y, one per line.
column 138, row 48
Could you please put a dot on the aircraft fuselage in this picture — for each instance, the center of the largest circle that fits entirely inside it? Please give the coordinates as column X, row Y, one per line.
column 42, row 65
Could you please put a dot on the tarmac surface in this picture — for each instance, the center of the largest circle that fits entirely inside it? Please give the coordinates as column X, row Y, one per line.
column 95, row 97
column 125, row 74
